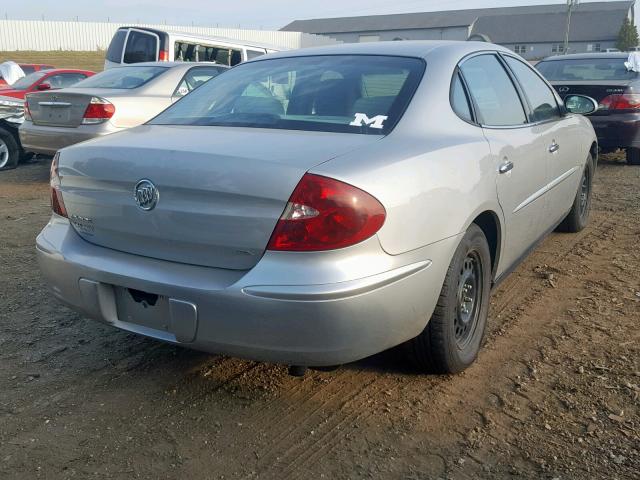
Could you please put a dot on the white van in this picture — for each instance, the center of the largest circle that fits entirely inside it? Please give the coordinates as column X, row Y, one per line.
column 140, row 44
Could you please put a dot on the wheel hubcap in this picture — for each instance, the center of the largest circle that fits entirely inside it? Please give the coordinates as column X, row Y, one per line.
column 4, row 153
column 469, row 292
column 584, row 194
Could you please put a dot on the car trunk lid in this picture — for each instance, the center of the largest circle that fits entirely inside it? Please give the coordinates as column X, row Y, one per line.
column 596, row 90
column 58, row 108
column 221, row 189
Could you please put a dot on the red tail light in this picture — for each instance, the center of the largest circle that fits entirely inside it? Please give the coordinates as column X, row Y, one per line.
column 163, row 56
column 99, row 110
column 326, row 214
column 626, row 101
column 57, row 203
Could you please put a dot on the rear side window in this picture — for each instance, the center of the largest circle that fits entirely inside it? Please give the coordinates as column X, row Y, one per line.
column 195, row 78
column 495, row 95
column 141, row 47
column 114, row 53
column 254, row 54
column 193, row 52
column 125, row 78
column 459, row 100
column 542, row 100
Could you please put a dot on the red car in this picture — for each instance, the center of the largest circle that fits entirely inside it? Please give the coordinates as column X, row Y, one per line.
column 45, row 80
column 28, row 68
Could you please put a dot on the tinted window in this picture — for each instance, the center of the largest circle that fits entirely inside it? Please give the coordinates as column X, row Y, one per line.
column 254, row 53
column 64, row 80
column 494, row 93
column 122, row 77
column 114, row 53
column 340, row 93
column 26, row 82
column 195, row 77
column 193, row 52
column 587, row 69
column 141, row 47
column 27, row 70
column 542, row 100
column 459, row 100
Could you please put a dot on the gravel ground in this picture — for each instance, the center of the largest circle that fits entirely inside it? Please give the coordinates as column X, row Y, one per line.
column 554, row 394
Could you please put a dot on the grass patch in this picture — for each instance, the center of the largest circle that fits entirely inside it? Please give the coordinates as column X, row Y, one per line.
column 83, row 60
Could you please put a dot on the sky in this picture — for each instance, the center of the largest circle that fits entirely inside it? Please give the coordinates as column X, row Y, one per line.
column 261, row 14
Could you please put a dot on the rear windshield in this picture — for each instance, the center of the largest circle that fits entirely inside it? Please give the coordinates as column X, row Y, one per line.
column 26, row 82
column 585, row 69
column 363, row 94
column 125, row 78
column 114, row 53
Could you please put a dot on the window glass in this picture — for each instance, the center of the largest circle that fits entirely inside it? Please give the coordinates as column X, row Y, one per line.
column 26, row 82
column 114, row 52
column 195, row 78
column 542, row 99
column 27, row 69
column 193, row 52
column 494, row 93
column 254, row 53
column 364, row 94
column 122, row 77
column 459, row 100
column 141, row 47
column 64, row 80
column 586, row 69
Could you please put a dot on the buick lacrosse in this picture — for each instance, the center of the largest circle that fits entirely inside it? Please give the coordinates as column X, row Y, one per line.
column 318, row 206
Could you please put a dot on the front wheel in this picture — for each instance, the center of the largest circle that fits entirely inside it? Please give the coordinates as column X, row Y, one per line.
column 452, row 338
column 9, row 151
column 578, row 217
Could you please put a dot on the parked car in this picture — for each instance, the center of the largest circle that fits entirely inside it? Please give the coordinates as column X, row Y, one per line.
column 11, row 117
column 109, row 102
column 318, row 206
column 604, row 77
column 137, row 44
column 27, row 68
column 45, row 80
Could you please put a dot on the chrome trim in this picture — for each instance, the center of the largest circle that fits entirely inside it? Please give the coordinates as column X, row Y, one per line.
column 54, row 104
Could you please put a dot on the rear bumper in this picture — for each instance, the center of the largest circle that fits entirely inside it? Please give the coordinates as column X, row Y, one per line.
column 621, row 130
column 48, row 140
column 284, row 310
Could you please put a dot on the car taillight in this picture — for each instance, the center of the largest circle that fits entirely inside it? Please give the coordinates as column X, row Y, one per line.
column 624, row 101
column 57, row 203
column 99, row 110
column 326, row 214
column 163, row 56
column 27, row 112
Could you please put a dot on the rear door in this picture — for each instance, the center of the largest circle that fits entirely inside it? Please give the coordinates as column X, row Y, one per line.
column 519, row 156
column 141, row 46
column 558, row 139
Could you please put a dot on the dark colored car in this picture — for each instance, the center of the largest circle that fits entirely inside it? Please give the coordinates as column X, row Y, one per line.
column 45, row 80
column 28, row 68
column 604, row 77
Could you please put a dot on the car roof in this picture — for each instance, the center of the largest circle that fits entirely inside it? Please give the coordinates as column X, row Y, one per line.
column 405, row 48
column 171, row 64
column 586, row 56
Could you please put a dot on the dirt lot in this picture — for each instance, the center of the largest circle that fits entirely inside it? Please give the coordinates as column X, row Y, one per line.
column 554, row 394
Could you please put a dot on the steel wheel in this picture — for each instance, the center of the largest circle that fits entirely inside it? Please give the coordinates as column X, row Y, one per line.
column 4, row 153
column 470, row 287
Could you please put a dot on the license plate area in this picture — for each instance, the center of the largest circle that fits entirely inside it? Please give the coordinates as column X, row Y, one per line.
column 143, row 308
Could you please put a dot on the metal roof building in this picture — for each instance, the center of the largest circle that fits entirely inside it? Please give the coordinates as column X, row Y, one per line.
column 533, row 31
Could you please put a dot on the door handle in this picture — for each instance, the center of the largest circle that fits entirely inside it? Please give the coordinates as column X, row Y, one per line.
column 507, row 166
column 554, row 147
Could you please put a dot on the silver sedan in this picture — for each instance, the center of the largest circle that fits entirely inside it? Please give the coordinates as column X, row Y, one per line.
column 316, row 207
column 108, row 102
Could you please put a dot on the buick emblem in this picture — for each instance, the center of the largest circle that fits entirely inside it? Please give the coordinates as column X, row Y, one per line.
column 563, row 89
column 146, row 195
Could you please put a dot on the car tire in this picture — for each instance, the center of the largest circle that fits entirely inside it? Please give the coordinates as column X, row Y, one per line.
column 578, row 216
column 9, row 151
column 633, row 156
column 452, row 338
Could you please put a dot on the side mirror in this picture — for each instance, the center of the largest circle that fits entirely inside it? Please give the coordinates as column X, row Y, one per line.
column 44, row 86
column 580, row 104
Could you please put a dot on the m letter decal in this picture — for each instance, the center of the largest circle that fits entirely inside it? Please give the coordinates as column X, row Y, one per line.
column 375, row 122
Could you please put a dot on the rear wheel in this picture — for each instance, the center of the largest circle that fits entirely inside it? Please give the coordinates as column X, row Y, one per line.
column 9, row 151
column 633, row 156
column 578, row 217
column 452, row 338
